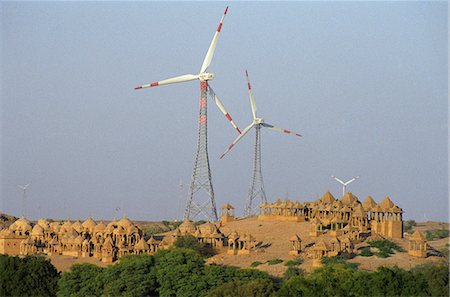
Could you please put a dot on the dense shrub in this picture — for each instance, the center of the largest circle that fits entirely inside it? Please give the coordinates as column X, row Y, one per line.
column 339, row 280
column 253, row 288
column 133, row 276
column 191, row 242
column 385, row 247
column 408, row 226
column 365, row 252
column 274, row 261
column 182, row 272
column 255, row 264
column 338, row 260
column 291, row 272
column 82, row 280
column 188, row 242
column 31, row 275
column 154, row 229
column 294, row 262
column 436, row 234
column 178, row 272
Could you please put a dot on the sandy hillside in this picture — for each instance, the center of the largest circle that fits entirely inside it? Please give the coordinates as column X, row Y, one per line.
column 274, row 238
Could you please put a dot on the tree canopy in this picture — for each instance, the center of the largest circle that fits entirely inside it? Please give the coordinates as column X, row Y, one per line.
column 31, row 275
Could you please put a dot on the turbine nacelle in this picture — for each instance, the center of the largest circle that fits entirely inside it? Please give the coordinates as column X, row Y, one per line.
column 258, row 121
column 205, row 76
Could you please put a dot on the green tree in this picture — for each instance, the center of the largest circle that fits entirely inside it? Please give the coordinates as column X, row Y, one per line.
column 81, row 280
column 179, row 272
column 436, row 277
column 291, row 272
column 253, row 288
column 296, row 286
column 31, row 275
column 133, row 276
column 188, row 242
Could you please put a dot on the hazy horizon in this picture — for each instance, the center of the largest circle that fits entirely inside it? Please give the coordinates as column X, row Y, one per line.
column 365, row 83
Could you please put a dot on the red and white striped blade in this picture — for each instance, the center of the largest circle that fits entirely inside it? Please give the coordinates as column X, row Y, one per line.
column 272, row 127
column 237, row 139
column 212, row 46
column 222, row 108
column 176, row 79
column 250, row 93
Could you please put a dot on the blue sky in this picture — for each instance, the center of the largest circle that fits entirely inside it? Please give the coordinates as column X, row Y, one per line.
column 366, row 83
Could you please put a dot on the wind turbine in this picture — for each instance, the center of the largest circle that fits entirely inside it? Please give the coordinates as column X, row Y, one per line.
column 24, row 196
column 257, row 184
column 344, row 184
column 201, row 176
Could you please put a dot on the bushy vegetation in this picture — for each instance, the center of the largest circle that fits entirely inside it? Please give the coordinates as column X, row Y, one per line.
column 436, row 234
column 255, row 264
column 257, row 288
column 408, row 226
column 291, row 272
column 190, row 242
column 385, row 247
column 182, row 272
column 154, row 229
column 338, row 279
column 158, row 228
column 294, row 262
column 366, row 252
column 32, row 275
column 173, row 272
column 338, row 261
column 274, row 261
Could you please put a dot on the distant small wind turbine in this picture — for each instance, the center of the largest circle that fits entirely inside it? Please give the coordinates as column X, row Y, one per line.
column 344, row 184
column 24, row 196
column 116, row 210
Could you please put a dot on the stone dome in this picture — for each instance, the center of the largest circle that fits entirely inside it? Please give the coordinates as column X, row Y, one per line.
column 37, row 230
column 66, row 226
column 89, row 224
column 124, row 222
column 207, row 228
column 77, row 226
column 187, row 227
column 43, row 223
column 112, row 224
column 22, row 224
column 100, row 227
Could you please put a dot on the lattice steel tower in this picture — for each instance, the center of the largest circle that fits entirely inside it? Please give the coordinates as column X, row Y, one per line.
column 257, row 186
column 201, row 175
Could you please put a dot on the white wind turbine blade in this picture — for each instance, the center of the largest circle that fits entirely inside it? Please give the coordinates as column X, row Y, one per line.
column 212, row 46
column 222, row 108
column 24, row 187
column 337, row 179
column 237, row 139
column 176, row 79
column 250, row 93
column 272, row 127
column 352, row 180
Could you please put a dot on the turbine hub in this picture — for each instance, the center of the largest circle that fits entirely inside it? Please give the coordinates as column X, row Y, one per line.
column 205, row 76
column 259, row 120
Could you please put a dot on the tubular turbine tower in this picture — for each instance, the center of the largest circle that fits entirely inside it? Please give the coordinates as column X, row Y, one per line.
column 201, row 176
column 257, row 184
